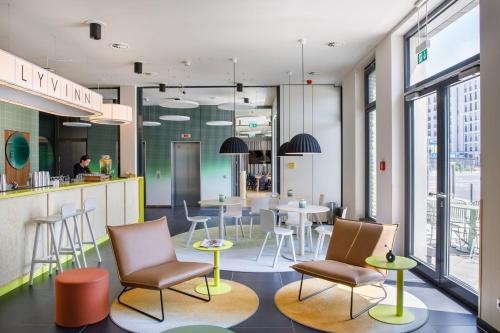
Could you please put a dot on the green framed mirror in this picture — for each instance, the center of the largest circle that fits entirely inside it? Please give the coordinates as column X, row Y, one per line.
column 17, row 150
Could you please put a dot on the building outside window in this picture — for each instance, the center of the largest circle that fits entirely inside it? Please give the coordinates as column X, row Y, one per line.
column 371, row 142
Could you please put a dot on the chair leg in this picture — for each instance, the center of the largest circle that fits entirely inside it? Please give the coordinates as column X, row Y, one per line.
column 80, row 242
column 251, row 227
column 236, row 227
column 262, row 247
column 293, row 249
column 241, row 227
column 318, row 246
column 54, row 245
column 206, row 230
column 190, row 234
column 354, row 316
column 33, row 257
column 313, row 294
column 195, row 296
column 275, row 262
column 72, row 245
column 140, row 311
column 309, row 234
column 93, row 237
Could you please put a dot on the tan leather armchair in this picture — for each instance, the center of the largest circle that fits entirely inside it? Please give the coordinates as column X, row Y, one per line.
column 145, row 258
column 351, row 243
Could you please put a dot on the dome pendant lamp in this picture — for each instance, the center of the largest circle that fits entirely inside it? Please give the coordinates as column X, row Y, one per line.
column 234, row 145
column 282, row 150
column 303, row 143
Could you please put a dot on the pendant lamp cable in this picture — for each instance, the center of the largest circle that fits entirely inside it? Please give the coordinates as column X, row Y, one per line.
column 289, row 105
column 303, row 87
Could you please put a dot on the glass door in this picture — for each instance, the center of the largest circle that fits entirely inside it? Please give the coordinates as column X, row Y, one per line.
column 444, row 180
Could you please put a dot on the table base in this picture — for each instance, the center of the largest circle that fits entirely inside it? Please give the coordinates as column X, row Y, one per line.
column 222, row 288
column 387, row 314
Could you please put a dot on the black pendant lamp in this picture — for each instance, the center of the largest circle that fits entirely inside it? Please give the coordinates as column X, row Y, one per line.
column 233, row 145
column 283, row 149
column 303, row 143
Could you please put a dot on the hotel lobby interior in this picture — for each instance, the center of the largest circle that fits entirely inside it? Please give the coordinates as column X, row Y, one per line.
column 249, row 166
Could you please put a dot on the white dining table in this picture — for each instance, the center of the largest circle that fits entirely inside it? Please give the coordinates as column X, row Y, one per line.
column 232, row 201
column 309, row 209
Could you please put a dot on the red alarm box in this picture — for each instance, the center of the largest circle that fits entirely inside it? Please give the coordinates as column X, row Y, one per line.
column 382, row 165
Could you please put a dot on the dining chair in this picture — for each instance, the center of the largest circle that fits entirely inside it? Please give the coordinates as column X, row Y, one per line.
column 257, row 205
column 268, row 225
column 319, row 217
column 327, row 230
column 194, row 221
column 293, row 221
column 235, row 212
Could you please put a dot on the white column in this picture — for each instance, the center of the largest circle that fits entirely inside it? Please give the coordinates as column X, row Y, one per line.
column 128, row 133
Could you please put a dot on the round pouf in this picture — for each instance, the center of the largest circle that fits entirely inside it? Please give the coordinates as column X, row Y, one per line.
column 81, row 297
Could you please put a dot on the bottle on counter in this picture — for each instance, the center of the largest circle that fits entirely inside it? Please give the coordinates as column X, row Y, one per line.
column 106, row 165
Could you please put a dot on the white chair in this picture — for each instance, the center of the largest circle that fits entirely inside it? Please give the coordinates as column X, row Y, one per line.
column 293, row 220
column 327, row 230
column 194, row 221
column 257, row 205
column 235, row 212
column 268, row 225
column 319, row 217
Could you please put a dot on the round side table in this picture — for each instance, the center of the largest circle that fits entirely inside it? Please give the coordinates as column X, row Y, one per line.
column 215, row 285
column 390, row 314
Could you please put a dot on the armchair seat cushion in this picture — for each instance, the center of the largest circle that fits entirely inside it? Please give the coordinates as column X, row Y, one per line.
column 340, row 272
column 165, row 275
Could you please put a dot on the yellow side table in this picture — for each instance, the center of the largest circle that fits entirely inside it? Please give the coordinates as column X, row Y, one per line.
column 215, row 285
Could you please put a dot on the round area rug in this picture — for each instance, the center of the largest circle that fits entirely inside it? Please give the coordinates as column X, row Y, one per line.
column 223, row 310
column 242, row 256
column 329, row 311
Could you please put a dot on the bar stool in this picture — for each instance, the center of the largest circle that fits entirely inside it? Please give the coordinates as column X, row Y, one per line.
column 89, row 205
column 50, row 221
column 69, row 212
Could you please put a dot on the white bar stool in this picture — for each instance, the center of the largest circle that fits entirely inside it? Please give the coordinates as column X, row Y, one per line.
column 69, row 212
column 89, row 205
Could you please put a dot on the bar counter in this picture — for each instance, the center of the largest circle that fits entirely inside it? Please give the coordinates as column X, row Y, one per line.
column 119, row 201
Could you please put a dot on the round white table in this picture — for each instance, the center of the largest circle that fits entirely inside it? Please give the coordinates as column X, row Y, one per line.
column 309, row 209
column 232, row 201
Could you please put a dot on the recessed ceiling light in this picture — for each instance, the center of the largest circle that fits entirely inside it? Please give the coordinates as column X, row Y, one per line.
column 174, row 117
column 219, row 123
column 337, row 43
column 120, row 45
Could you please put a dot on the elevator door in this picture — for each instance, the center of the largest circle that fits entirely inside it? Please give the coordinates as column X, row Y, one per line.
column 186, row 173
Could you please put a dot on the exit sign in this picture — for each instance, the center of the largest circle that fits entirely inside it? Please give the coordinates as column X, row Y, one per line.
column 186, row 135
column 422, row 56
column 252, row 125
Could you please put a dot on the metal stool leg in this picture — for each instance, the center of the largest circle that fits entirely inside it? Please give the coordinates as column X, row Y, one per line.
column 93, row 237
column 33, row 258
column 79, row 240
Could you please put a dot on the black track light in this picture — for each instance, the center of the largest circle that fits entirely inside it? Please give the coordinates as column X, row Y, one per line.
column 138, row 67
column 95, row 31
column 246, row 100
column 162, row 87
column 239, row 87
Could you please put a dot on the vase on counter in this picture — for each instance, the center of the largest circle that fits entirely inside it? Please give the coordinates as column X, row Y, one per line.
column 106, row 165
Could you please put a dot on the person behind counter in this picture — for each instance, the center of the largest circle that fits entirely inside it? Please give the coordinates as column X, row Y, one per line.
column 82, row 167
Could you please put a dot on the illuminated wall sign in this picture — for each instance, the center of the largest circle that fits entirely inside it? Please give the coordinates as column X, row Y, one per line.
column 30, row 78
column 186, row 135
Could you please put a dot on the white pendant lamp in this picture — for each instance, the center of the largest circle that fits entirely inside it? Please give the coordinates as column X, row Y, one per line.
column 76, row 124
column 148, row 123
column 113, row 114
column 177, row 103
column 219, row 123
column 174, row 117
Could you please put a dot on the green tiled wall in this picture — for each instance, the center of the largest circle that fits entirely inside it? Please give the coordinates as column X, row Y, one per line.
column 18, row 118
column 215, row 168
column 103, row 140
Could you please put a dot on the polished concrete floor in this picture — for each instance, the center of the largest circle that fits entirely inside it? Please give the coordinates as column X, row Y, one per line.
column 32, row 309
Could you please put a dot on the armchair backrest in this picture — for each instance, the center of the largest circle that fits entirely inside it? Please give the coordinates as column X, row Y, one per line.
column 353, row 241
column 142, row 245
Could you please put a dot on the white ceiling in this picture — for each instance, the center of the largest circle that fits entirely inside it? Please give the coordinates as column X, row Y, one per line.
column 263, row 35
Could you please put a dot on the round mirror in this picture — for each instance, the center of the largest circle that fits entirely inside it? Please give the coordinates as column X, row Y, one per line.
column 17, row 150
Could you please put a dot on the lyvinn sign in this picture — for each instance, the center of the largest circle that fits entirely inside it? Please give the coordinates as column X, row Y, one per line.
column 22, row 75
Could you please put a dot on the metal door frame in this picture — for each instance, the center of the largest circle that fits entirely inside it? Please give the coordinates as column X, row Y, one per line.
column 172, row 168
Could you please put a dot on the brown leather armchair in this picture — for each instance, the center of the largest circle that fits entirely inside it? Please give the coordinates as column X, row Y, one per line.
column 145, row 258
column 351, row 243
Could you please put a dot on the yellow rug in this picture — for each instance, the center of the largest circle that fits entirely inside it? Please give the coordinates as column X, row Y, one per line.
column 223, row 310
column 329, row 310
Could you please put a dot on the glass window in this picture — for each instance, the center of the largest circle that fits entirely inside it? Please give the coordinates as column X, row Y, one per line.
column 371, row 142
column 453, row 37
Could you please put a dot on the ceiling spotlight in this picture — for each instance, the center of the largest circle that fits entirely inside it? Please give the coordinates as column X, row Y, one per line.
column 239, row 87
column 186, row 63
column 246, row 100
column 95, row 30
column 121, row 46
column 337, row 43
column 138, row 67
column 162, row 87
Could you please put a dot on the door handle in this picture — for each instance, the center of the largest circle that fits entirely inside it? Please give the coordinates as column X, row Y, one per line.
column 439, row 195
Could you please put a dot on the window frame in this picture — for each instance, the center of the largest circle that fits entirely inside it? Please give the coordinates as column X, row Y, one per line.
column 369, row 107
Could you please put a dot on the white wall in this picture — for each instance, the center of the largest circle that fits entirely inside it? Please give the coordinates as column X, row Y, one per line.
column 314, row 174
column 490, row 160
column 128, row 133
column 353, row 122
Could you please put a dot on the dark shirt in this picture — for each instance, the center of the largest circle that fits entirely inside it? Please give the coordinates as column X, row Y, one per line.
column 78, row 169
